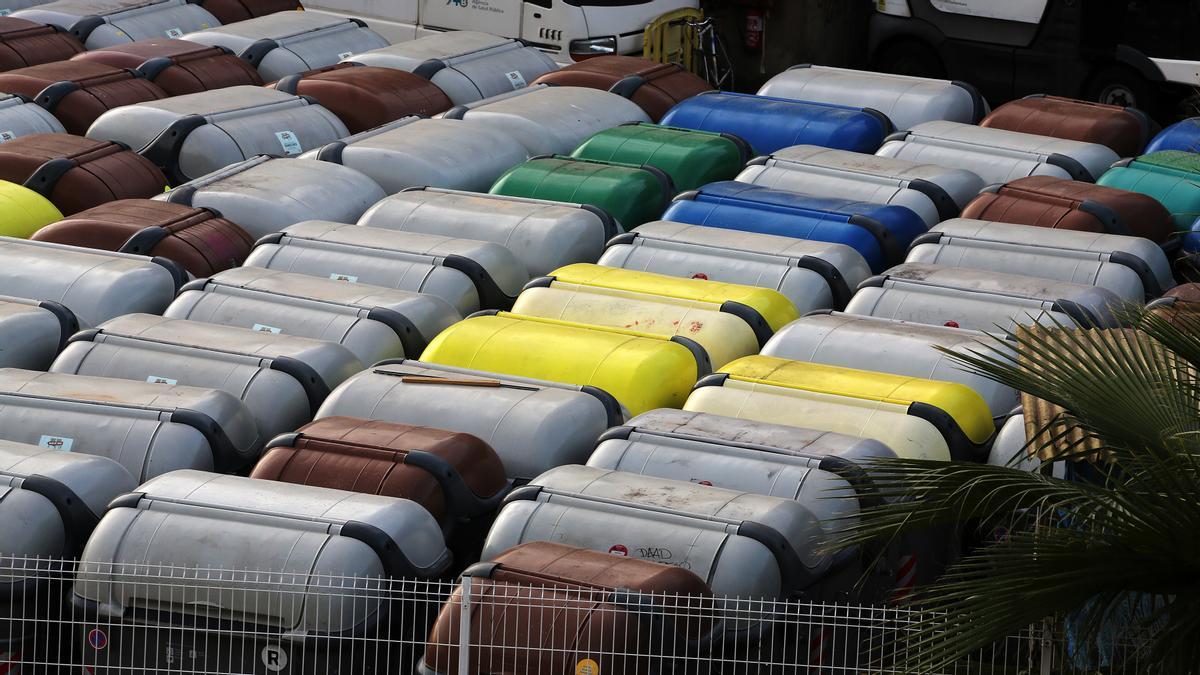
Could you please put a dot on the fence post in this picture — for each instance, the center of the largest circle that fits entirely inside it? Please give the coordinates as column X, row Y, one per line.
column 1047, row 647
column 464, row 627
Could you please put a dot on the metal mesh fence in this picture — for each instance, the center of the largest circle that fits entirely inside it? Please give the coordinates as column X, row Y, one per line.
column 67, row 617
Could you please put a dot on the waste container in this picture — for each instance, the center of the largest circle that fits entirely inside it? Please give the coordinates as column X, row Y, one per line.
column 29, row 43
column 20, row 117
column 723, row 336
column 1183, row 135
column 77, row 92
column 95, row 285
column 896, row 347
column 763, row 309
column 998, row 155
column 769, row 123
column 1169, row 176
column 465, row 272
column 51, row 502
column 232, row 11
column 892, row 227
column 77, row 173
column 365, row 97
column 467, row 65
column 740, row 544
column 980, row 300
column 1178, row 306
column 906, row 100
column 1133, row 268
column 534, row 425
column 264, row 195
column 916, row 417
column 282, row 379
column 23, row 211
column 196, row 134
column 311, row 567
column 544, row 234
column 631, row 194
column 455, row 476
column 641, row 370
column 177, row 66
column 691, row 158
column 811, row 274
column 413, row 152
column 373, row 322
column 289, row 42
column 549, row 120
column 33, row 332
column 104, row 23
column 197, row 239
column 655, row 87
column 1073, row 205
column 1122, row 129
column 543, row 607
column 150, row 429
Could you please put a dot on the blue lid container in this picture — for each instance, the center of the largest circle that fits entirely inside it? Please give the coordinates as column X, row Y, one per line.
column 1184, row 135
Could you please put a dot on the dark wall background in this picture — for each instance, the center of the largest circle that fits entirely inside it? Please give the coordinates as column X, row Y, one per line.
column 828, row 32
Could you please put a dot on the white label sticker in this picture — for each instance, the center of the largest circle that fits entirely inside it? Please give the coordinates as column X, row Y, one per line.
column 264, row 328
column 158, row 379
column 56, row 443
column 291, row 144
column 174, row 33
column 7, row 136
column 344, row 277
column 345, row 55
column 515, row 79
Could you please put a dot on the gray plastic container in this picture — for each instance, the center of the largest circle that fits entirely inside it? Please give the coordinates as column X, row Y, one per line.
column 286, row 43
column 282, row 379
column 95, row 285
column 302, row 536
column 897, row 347
column 264, row 195
column 812, row 274
column 414, row 152
column 467, row 65
column 544, row 235
column 105, row 23
column 906, row 100
column 373, row 322
column 999, row 155
column 534, row 425
column 550, row 120
column 980, row 300
column 741, row 544
column 1133, row 268
column 195, row 134
column 20, row 117
column 33, row 332
column 467, row 273
column 147, row 428
column 943, row 192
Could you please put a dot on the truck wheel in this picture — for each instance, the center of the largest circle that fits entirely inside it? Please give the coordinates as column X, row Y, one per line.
column 1124, row 86
column 909, row 57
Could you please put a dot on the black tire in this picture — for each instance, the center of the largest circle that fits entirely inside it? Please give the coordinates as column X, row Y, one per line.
column 1124, row 86
column 909, row 57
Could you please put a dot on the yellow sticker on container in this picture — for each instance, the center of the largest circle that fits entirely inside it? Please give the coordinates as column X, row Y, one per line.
column 587, row 667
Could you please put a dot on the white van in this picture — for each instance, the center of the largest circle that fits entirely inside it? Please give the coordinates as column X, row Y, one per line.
column 568, row 30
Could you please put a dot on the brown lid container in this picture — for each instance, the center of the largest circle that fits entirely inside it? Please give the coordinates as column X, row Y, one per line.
column 26, row 43
column 1125, row 130
column 654, row 87
column 178, row 66
column 77, row 92
column 365, row 97
column 230, row 11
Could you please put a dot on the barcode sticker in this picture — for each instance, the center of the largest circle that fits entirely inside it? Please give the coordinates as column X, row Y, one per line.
column 291, row 144
column 264, row 328
column 515, row 79
column 174, row 33
column 344, row 277
column 158, row 379
column 56, row 443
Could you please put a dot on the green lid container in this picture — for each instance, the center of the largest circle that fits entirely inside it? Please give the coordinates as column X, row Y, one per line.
column 632, row 194
column 1172, row 160
column 1175, row 189
column 691, row 158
